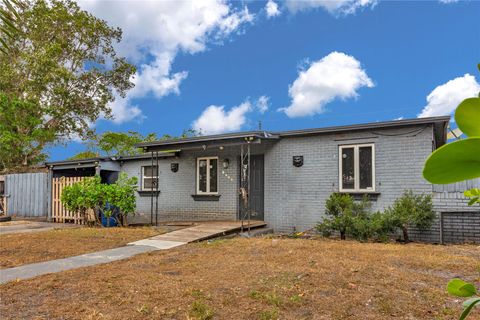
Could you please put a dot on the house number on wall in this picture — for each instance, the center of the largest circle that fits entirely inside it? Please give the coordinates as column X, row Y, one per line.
column 298, row 161
column 174, row 167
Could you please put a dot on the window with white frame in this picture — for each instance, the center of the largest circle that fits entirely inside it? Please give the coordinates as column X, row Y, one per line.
column 357, row 168
column 149, row 178
column 207, row 175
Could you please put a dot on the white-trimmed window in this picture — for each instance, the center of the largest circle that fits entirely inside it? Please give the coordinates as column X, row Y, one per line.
column 357, row 168
column 207, row 175
column 149, row 178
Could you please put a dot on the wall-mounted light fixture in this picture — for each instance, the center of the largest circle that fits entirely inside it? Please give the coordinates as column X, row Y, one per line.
column 226, row 163
column 298, row 161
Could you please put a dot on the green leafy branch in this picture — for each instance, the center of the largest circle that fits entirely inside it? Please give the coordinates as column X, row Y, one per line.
column 460, row 288
column 455, row 162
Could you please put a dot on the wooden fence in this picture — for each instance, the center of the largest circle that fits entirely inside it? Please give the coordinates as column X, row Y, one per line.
column 59, row 212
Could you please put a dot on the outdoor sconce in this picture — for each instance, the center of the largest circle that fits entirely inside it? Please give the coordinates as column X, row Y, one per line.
column 298, row 161
column 226, row 163
column 174, row 167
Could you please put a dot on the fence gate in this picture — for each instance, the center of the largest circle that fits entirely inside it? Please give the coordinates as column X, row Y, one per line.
column 59, row 212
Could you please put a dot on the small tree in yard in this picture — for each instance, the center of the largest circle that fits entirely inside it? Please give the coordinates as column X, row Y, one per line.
column 411, row 209
column 90, row 193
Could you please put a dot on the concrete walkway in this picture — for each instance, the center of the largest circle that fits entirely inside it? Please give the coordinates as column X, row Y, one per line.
column 23, row 226
column 201, row 231
column 85, row 260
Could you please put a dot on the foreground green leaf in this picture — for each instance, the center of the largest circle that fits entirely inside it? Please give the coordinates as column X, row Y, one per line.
column 460, row 288
column 454, row 162
column 469, row 304
column 467, row 117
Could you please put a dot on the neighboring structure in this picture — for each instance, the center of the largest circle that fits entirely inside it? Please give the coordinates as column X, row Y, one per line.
column 285, row 177
column 25, row 194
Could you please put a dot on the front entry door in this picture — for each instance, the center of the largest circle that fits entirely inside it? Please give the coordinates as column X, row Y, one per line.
column 257, row 181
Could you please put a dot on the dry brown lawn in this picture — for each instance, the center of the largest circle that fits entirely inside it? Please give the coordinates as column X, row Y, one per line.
column 22, row 248
column 256, row 279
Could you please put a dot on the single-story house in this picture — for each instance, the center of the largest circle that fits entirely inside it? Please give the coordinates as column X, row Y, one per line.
column 284, row 177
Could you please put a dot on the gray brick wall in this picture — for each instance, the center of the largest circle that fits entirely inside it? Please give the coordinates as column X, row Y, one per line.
column 175, row 201
column 295, row 197
column 448, row 200
column 459, row 227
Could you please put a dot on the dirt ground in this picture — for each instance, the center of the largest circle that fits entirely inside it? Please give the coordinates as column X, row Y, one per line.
column 22, row 248
column 256, row 279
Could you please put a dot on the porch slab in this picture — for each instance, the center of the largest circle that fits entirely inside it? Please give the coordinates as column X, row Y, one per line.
column 206, row 230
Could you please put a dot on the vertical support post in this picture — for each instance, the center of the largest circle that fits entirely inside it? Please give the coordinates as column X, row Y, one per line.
column 248, row 186
column 245, row 212
column 241, row 189
column 157, row 180
column 441, row 228
column 151, row 191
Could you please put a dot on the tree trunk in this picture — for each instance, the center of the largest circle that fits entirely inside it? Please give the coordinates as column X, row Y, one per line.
column 405, row 234
column 342, row 235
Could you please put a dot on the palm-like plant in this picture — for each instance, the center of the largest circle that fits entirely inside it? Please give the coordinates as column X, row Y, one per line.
column 9, row 19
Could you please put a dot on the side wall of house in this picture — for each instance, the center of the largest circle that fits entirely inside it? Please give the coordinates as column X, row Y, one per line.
column 295, row 197
column 455, row 220
column 175, row 201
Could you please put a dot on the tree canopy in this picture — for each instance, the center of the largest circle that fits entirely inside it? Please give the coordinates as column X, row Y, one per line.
column 63, row 64
column 114, row 144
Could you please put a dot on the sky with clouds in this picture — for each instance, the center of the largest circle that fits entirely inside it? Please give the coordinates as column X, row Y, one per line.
column 219, row 66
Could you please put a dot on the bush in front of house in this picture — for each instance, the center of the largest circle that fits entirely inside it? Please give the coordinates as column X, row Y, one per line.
column 90, row 193
column 353, row 219
column 411, row 210
column 347, row 217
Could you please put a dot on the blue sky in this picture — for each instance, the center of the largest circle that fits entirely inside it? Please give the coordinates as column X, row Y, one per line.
column 225, row 66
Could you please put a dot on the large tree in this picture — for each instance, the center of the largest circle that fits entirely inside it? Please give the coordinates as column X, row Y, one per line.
column 64, row 62
column 9, row 18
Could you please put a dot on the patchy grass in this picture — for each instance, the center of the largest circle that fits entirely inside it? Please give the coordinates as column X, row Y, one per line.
column 22, row 248
column 256, row 279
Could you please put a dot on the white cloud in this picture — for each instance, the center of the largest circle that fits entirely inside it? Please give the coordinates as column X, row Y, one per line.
column 335, row 7
column 272, row 9
column 123, row 111
column 215, row 119
column 448, row 1
column 445, row 98
column 335, row 76
column 154, row 32
column 262, row 104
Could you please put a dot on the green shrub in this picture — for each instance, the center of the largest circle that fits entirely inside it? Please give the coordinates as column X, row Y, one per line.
column 411, row 209
column 90, row 193
column 354, row 219
column 345, row 216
